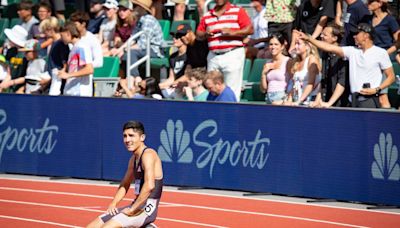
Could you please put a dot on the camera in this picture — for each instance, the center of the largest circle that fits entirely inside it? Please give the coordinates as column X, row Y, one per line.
column 366, row 85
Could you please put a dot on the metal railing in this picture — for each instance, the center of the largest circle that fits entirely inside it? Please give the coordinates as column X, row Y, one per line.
column 129, row 65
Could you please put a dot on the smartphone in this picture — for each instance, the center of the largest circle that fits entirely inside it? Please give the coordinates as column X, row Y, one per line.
column 366, row 85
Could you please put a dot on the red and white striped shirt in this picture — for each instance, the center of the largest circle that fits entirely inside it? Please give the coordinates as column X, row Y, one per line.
column 234, row 18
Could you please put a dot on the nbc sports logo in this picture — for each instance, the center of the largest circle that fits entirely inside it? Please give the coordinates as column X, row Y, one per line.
column 385, row 165
column 174, row 138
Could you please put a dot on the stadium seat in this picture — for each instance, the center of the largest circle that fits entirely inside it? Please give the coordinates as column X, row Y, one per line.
column 252, row 87
column 165, row 27
column 14, row 21
column 256, row 69
column 246, row 69
column 3, row 25
column 105, row 78
column 175, row 24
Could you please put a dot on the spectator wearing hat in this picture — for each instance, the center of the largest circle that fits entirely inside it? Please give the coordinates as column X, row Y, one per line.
column 196, row 51
column 97, row 16
column 107, row 27
column 177, row 61
column 36, row 78
column 58, row 54
column 25, row 14
column 79, row 72
column 151, row 27
column 17, row 37
column 366, row 64
column 218, row 90
column 126, row 21
column 225, row 26
column 81, row 20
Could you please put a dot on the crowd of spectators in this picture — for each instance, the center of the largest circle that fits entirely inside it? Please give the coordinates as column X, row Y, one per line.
column 320, row 53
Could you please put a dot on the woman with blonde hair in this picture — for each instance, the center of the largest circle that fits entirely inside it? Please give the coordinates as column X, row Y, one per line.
column 306, row 71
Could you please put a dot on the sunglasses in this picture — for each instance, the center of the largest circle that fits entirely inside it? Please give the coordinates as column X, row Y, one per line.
column 178, row 36
column 364, row 28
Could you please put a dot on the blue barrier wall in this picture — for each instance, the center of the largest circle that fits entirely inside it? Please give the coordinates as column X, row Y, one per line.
column 339, row 154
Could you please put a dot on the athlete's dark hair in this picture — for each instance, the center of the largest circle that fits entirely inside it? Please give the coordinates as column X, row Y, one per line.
column 135, row 126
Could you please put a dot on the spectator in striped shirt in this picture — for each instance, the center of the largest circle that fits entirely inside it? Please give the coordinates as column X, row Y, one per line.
column 225, row 27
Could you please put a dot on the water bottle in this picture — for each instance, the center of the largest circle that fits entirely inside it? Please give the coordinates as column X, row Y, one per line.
column 398, row 84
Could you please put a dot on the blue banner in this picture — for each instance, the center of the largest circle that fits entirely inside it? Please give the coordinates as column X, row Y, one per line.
column 322, row 153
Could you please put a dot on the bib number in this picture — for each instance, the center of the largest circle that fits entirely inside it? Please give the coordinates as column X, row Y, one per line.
column 150, row 207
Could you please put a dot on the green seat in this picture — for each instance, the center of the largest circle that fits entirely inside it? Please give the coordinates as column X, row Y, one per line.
column 165, row 27
column 109, row 69
column 246, row 69
column 105, row 78
column 241, row 2
column 252, row 89
column 3, row 25
column 14, row 22
column 256, row 70
column 175, row 24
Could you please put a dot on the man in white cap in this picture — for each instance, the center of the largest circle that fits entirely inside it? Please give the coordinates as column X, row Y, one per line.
column 17, row 37
column 107, row 27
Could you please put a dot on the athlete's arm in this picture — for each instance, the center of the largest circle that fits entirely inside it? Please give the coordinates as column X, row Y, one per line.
column 123, row 187
column 148, row 163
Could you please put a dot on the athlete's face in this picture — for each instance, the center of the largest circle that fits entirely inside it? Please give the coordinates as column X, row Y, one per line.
column 132, row 139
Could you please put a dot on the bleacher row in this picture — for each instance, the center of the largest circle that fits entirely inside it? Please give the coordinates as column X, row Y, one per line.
column 106, row 78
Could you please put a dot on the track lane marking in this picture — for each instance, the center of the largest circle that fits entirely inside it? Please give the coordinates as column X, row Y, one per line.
column 101, row 211
column 38, row 221
column 210, row 194
column 191, row 206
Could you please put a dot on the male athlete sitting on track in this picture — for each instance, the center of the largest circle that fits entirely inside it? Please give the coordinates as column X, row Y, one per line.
column 146, row 169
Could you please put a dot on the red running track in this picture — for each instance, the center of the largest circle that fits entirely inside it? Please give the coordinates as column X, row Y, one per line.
column 39, row 203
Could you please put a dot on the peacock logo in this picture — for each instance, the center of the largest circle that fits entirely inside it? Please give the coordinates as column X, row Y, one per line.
column 385, row 165
column 175, row 138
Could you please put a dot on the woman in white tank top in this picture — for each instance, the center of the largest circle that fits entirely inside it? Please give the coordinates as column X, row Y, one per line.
column 306, row 73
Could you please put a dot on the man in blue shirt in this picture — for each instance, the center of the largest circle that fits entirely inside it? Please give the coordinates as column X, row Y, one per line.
column 218, row 90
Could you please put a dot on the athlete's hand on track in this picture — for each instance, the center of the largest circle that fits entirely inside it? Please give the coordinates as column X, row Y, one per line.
column 112, row 209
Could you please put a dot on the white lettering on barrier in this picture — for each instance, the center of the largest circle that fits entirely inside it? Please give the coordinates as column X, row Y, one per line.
column 36, row 140
column 222, row 151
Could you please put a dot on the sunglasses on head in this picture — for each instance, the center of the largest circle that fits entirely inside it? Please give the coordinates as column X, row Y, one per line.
column 364, row 28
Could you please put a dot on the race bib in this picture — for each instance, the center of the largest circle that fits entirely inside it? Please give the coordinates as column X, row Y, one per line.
column 150, row 207
column 137, row 187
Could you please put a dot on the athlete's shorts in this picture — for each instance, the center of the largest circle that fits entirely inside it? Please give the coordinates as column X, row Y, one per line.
column 146, row 215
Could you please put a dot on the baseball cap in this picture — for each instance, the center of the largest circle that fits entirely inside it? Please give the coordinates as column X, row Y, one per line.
column 181, row 30
column 126, row 4
column 367, row 28
column 111, row 4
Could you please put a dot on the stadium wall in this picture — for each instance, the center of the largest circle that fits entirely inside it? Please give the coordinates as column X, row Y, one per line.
column 321, row 153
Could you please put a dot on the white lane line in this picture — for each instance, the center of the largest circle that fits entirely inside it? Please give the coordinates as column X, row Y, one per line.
column 37, row 221
column 101, row 211
column 210, row 194
column 200, row 207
